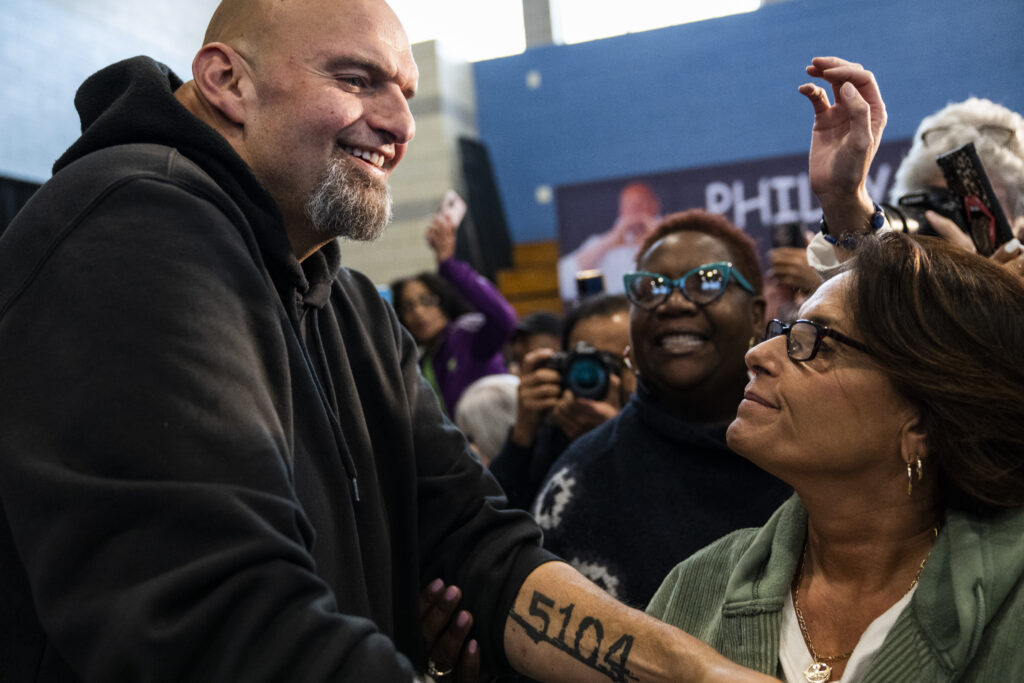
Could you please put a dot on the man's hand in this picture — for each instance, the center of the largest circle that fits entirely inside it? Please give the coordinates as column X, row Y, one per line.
column 577, row 416
column 441, row 236
column 538, row 392
column 626, row 230
column 445, row 633
column 1009, row 256
column 789, row 268
column 844, row 140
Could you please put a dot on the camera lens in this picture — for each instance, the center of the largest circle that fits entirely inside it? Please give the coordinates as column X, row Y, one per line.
column 587, row 377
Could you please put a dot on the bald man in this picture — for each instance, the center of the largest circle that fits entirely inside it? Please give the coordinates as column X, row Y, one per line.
column 218, row 459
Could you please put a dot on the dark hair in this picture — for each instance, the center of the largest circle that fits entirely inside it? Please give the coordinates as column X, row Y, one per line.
column 451, row 302
column 947, row 328
column 538, row 322
column 604, row 305
column 740, row 244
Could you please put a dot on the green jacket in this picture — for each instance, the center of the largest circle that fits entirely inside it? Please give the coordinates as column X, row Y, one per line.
column 965, row 622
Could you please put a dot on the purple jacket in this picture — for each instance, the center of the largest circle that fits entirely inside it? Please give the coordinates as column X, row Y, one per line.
column 471, row 345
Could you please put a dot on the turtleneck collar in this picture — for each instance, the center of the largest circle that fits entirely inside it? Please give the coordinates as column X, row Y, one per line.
column 672, row 425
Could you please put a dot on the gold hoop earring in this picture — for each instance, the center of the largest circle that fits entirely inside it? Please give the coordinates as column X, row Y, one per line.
column 754, row 341
column 626, row 360
column 910, row 474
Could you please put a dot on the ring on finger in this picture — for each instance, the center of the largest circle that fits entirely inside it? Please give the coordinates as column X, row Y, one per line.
column 436, row 673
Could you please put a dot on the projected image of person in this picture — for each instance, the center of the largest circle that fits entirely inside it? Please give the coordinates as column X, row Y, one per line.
column 613, row 252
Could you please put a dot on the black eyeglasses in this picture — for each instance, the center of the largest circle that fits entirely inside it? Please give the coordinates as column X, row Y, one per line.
column 702, row 285
column 803, row 338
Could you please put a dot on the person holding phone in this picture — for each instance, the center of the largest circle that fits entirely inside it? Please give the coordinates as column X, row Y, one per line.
column 549, row 417
column 459, row 319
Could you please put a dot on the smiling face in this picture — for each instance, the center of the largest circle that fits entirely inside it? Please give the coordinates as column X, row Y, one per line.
column 690, row 356
column 329, row 118
column 834, row 417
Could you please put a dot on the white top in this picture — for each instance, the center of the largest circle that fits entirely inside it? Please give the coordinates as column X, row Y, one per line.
column 795, row 657
column 821, row 254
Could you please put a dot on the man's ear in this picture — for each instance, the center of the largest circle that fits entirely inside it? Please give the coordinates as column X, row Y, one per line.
column 225, row 81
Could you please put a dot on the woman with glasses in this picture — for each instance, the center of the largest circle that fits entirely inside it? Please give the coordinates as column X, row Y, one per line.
column 457, row 317
column 632, row 497
column 893, row 407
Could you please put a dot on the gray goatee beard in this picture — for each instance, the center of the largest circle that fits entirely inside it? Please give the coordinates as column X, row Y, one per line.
column 349, row 203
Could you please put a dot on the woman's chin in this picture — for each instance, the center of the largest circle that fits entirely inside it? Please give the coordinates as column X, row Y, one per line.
column 739, row 436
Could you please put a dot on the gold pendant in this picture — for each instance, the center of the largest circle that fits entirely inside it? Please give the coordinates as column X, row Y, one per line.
column 818, row 672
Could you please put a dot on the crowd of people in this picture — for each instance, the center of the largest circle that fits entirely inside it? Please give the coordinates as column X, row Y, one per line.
column 223, row 456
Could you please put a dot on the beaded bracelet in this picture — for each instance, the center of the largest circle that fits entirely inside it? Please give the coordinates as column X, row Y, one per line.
column 849, row 240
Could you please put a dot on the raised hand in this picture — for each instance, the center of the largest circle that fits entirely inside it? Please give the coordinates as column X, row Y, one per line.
column 441, row 236
column 844, row 140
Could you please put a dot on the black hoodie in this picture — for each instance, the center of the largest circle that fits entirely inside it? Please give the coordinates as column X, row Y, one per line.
column 216, row 463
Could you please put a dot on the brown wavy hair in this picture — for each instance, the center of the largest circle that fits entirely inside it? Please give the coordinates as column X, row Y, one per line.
column 947, row 327
column 740, row 244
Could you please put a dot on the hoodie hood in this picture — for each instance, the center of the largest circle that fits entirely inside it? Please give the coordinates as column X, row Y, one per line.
column 133, row 101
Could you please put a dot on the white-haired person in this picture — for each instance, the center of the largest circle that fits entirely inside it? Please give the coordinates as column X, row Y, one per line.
column 486, row 411
column 998, row 137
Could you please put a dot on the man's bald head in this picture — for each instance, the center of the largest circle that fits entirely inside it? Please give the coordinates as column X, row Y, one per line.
column 249, row 25
column 235, row 20
column 313, row 96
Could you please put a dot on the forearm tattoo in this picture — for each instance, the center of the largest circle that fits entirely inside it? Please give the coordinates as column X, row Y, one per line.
column 581, row 638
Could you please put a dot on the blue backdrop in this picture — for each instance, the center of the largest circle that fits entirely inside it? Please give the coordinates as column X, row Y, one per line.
column 724, row 90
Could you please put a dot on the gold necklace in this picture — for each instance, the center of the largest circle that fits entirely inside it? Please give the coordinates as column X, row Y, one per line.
column 820, row 669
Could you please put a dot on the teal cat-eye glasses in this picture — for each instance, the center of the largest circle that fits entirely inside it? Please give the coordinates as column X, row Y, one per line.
column 702, row 285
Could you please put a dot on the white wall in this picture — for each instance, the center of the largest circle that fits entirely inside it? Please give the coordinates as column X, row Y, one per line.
column 48, row 47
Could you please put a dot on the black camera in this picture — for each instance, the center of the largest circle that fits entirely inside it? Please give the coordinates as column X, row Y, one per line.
column 969, row 202
column 586, row 372
column 908, row 214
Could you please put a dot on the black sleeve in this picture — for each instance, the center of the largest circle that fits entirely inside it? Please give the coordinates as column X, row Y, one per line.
column 511, row 467
column 144, row 467
column 469, row 535
column 521, row 471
